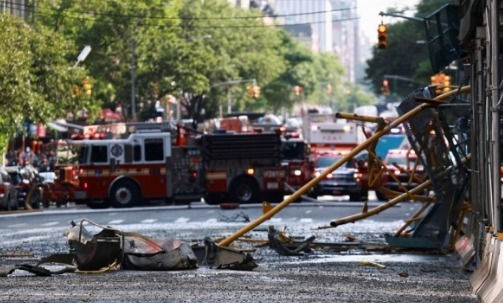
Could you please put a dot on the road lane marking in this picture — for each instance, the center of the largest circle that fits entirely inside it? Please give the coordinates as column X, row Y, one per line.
column 275, row 220
column 182, row 220
column 308, row 211
column 148, row 221
column 212, row 220
column 17, row 225
column 306, row 220
column 50, row 224
column 118, row 221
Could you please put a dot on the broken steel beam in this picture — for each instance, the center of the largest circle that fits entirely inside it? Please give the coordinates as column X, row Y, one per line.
column 372, row 139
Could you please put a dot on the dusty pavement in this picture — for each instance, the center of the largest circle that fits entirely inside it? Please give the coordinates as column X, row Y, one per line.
column 283, row 279
column 322, row 276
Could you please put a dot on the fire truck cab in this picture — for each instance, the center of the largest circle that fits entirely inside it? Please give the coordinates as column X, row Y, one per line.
column 298, row 161
column 124, row 172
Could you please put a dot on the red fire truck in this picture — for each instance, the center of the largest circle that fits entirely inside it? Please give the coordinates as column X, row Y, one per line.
column 330, row 139
column 298, row 161
column 152, row 161
column 243, row 167
column 139, row 165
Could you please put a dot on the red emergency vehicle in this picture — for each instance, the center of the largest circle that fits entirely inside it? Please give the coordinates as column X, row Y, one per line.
column 139, row 165
column 243, row 168
column 298, row 161
column 152, row 161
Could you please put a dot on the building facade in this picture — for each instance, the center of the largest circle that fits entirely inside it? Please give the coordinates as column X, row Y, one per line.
column 21, row 8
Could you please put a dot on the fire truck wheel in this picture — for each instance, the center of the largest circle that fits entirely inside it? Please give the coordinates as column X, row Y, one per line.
column 244, row 190
column 124, row 194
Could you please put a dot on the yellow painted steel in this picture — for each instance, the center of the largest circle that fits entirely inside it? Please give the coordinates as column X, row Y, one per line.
column 362, row 118
column 372, row 139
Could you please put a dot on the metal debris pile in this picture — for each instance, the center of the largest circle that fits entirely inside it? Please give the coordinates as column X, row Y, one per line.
column 112, row 249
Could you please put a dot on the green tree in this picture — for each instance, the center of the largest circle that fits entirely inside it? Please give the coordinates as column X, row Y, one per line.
column 36, row 76
column 119, row 33
column 227, row 45
column 404, row 56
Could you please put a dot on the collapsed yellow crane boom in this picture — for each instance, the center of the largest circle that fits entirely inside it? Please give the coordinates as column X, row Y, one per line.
column 372, row 139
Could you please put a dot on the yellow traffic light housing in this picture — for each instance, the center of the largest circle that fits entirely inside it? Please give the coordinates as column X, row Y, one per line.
column 87, row 86
column 446, row 84
column 256, row 91
column 442, row 83
column 249, row 92
column 253, row 91
column 382, row 33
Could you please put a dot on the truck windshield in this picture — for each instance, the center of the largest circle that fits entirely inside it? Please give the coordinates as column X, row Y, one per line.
column 68, row 153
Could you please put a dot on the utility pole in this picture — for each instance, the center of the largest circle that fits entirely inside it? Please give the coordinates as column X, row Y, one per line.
column 133, row 88
column 229, row 100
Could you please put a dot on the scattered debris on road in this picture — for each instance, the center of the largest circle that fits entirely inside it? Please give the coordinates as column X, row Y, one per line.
column 369, row 263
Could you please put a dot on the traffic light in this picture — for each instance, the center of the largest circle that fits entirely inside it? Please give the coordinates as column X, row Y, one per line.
column 249, row 92
column 253, row 91
column 88, row 87
column 256, row 91
column 385, row 88
column 446, row 84
column 382, row 31
column 442, row 83
column 297, row 89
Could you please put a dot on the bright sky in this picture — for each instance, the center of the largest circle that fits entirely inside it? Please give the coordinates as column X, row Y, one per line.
column 368, row 11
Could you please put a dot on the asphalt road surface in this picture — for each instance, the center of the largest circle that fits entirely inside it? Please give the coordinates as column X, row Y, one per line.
column 324, row 275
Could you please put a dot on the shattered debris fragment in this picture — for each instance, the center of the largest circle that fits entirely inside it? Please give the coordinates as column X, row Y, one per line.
column 239, row 217
column 369, row 263
column 284, row 246
column 219, row 257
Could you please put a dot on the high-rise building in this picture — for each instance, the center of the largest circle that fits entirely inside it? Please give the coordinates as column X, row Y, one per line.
column 327, row 26
column 308, row 17
column 345, row 35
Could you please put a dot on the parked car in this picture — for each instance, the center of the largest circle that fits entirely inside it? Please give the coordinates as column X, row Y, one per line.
column 19, row 183
column 8, row 194
column 23, row 179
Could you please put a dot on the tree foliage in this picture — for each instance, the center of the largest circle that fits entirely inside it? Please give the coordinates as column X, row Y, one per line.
column 205, row 53
column 406, row 54
column 36, row 76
